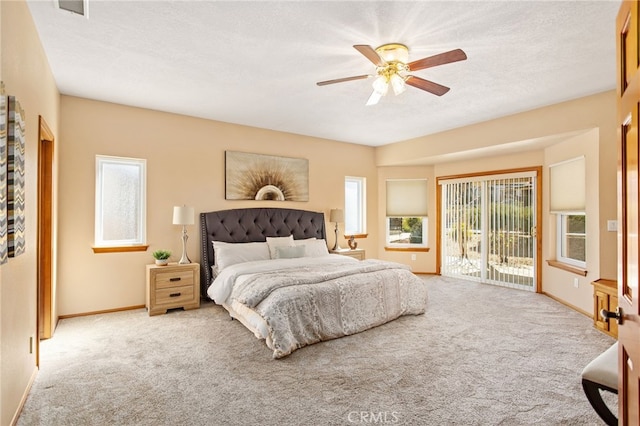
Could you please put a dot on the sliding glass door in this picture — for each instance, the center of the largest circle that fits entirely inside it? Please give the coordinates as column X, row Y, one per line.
column 488, row 229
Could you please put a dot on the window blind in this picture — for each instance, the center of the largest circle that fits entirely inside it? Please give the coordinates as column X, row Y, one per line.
column 567, row 183
column 407, row 198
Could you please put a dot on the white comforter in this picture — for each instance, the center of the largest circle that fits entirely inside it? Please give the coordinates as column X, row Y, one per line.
column 306, row 300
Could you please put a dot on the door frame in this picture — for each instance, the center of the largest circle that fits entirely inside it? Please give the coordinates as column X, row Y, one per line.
column 538, row 230
column 45, row 321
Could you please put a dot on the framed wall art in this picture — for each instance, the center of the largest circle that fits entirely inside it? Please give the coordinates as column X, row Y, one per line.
column 15, row 178
column 3, row 179
column 265, row 177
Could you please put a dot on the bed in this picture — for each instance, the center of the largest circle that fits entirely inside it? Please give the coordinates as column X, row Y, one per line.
column 271, row 270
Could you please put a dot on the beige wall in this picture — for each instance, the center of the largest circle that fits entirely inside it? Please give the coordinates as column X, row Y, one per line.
column 584, row 126
column 26, row 74
column 185, row 165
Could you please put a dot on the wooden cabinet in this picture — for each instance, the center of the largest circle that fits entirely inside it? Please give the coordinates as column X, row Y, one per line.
column 172, row 286
column 605, row 296
column 356, row 254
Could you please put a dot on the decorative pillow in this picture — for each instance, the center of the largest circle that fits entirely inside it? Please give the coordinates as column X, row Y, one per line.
column 316, row 248
column 227, row 254
column 274, row 242
column 290, row 252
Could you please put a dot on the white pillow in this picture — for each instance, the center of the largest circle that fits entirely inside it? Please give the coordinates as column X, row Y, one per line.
column 227, row 254
column 274, row 242
column 303, row 242
column 316, row 248
column 290, row 252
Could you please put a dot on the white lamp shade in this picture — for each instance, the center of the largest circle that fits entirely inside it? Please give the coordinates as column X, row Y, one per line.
column 398, row 84
column 374, row 98
column 380, row 85
column 183, row 215
column 336, row 215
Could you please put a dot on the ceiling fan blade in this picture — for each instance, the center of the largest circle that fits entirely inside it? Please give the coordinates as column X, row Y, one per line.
column 340, row 80
column 371, row 54
column 429, row 86
column 439, row 59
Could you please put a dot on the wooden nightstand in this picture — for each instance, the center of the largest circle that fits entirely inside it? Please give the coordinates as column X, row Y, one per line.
column 605, row 296
column 356, row 254
column 173, row 286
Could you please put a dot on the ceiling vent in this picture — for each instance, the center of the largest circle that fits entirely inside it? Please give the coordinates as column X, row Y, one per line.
column 74, row 6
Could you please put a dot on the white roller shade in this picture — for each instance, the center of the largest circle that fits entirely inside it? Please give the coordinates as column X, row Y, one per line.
column 567, row 183
column 407, row 198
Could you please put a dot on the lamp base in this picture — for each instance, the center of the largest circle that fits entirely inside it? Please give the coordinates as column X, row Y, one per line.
column 336, row 246
column 184, row 259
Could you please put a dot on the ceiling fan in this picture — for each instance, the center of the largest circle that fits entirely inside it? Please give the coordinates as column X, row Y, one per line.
column 393, row 70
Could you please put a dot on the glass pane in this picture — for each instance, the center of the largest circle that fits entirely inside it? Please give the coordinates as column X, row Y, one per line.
column 576, row 224
column 121, row 202
column 353, row 206
column 405, row 230
column 574, row 237
column 575, row 247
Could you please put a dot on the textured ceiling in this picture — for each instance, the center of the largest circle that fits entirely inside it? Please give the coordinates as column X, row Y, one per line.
column 256, row 63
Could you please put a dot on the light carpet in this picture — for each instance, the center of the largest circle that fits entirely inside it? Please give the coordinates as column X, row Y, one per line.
column 481, row 355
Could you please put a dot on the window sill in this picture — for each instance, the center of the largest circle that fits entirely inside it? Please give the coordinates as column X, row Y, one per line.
column 422, row 249
column 121, row 249
column 568, row 268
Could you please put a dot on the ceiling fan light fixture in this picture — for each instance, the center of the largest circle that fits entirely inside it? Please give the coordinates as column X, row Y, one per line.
column 393, row 52
column 398, row 84
column 381, row 85
column 374, row 98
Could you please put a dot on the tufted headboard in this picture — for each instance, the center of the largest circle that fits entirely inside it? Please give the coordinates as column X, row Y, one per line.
column 252, row 225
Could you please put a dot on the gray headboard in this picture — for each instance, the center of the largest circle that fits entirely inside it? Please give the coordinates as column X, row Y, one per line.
column 252, row 225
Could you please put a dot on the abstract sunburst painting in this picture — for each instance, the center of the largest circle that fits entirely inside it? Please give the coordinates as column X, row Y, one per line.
column 265, row 177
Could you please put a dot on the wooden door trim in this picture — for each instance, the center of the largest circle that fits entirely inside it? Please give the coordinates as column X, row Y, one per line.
column 45, row 232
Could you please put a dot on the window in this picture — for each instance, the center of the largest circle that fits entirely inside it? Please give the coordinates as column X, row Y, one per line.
column 572, row 237
column 355, row 205
column 567, row 193
column 120, row 202
column 406, row 224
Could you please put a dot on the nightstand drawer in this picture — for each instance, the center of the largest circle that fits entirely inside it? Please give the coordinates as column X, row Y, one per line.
column 174, row 278
column 172, row 295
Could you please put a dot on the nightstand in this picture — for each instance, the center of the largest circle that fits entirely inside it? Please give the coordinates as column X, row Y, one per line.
column 356, row 254
column 173, row 286
column 605, row 296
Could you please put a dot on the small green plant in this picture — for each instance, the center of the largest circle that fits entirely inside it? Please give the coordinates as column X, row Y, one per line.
column 161, row 254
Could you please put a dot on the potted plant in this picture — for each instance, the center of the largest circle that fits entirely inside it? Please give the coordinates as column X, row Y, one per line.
column 161, row 257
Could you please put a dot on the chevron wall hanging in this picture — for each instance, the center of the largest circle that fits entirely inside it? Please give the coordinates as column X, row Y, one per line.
column 3, row 179
column 15, row 179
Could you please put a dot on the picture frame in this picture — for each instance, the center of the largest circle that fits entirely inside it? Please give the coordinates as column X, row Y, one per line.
column 15, row 181
column 265, row 177
column 4, row 253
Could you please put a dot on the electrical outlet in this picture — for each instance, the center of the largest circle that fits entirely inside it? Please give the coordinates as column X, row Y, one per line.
column 576, row 283
column 413, row 257
column 612, row 225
